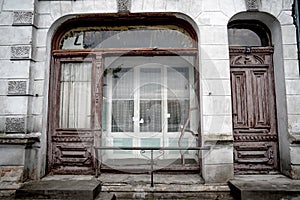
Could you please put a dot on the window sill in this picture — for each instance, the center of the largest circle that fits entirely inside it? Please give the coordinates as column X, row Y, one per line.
column 20, row 139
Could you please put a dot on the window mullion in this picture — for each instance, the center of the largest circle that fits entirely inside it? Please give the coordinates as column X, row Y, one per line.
column 164, row 106
column 109, row 103
column 136, row 100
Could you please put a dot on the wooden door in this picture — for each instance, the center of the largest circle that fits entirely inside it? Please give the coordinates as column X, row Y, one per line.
column 72, row 129
column 253, row 110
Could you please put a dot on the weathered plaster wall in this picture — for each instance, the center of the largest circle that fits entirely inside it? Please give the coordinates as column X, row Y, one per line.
column 17, row 117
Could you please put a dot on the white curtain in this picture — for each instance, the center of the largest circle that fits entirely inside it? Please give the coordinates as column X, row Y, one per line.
column 122, row 100
column 75, row 95
column 150, row 100
column 178, row 98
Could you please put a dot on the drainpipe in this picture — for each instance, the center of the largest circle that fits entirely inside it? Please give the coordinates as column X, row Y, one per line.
column 297, row 24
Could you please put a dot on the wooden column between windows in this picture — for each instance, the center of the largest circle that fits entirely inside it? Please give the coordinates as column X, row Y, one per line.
column 98, row 98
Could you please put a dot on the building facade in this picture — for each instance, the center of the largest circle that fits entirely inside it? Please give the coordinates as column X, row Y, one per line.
column 182, row 74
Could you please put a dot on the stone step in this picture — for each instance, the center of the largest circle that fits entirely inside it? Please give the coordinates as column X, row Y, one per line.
column 249, row 188
column 166, row 186
column 174, row 195
column 106, row 196
column 59, row 189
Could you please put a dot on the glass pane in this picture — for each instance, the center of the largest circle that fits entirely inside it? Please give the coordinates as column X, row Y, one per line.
column 178, row 111
column 150, row 142
column 126, row 37
column 173, row 142
column 75, row 95
column 243, row 37
column 122, row 82
column 122, row 113
column 150, row 116
column 104, row 114
column 178, row 83
column 178, row 98
column 150, row 83
column 122, row 142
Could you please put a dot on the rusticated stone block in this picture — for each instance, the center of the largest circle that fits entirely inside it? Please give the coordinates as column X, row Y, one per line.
column 17, row 87
column 15, row 125
column 23, row 18
column 124, row 5
column 21, row 52
column 252, row 5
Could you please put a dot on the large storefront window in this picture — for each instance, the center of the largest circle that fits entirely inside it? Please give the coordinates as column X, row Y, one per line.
column 124, row 85
column 149, row 102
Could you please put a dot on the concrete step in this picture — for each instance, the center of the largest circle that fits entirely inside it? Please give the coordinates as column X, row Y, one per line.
column 59, row 189
column 266, row 187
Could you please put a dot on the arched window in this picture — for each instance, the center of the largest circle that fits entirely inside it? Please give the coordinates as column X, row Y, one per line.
column 126, row 81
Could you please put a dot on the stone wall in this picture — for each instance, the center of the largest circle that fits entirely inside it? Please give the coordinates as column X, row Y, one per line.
column 28, row 27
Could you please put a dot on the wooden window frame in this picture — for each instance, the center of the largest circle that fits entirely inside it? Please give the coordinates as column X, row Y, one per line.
column 96, row 57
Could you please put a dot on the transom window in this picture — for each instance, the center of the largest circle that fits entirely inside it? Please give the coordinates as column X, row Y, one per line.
column 248, row 33
column 127, row 37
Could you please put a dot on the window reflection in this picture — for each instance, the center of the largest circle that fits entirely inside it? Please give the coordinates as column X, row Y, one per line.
column 243, row 37
column 147, row 95
column 127, row 37
column 248, row 33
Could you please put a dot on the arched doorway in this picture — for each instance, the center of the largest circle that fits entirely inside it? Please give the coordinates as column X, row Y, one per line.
column 253, row 98
column 123, row 80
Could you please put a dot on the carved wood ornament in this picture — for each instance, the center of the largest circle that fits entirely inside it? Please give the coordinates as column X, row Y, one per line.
column 253, row 109
column 247, row 60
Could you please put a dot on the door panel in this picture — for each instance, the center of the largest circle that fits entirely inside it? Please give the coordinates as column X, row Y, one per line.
column 260, row 99
column 255, row 157
column 239, row 100
column 254, row 114
column 72, row 153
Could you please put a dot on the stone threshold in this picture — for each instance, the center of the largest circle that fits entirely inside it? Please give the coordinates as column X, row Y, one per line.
column 162, row 183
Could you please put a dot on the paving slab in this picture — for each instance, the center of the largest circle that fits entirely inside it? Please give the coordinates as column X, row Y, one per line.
column 265, row 187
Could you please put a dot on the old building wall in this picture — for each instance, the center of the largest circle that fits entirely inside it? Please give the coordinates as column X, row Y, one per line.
column 28, row 28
